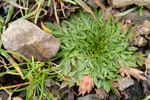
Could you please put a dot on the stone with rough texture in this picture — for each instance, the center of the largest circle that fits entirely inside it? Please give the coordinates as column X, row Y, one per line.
column 88, row 97
column 140, row 41
column 121, row 3
column 124, row 83
column 29, row 40
column 136, row 18
column 17, row 98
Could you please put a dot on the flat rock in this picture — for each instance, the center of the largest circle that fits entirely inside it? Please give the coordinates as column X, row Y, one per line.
column 29, row 40
column 121, row 3
column 136, row 18
column 124, row 83
column 88, row 97
column 140, row 41
column 17, row 98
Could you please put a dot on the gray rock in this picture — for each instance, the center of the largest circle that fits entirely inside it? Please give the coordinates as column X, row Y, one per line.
column 29, row 40
column 88, row 97
column 4, row 95
column 146, row 27
column 121, row 3
column 136, row 18
column 17, row 98
column 22, row 94
column 147, row 52
column 47, row 83
column 124, row 83
column 36, row 98
column 6, row 7
column 140, row 41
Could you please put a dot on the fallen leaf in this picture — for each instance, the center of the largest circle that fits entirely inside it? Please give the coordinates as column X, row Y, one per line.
column 63, row 85
column 126, row 93
column 71, row 93
column 115, row 84
column 133, row 72
column 114, row 89
column 101, row 94
column 125, row 23
column 86, row 85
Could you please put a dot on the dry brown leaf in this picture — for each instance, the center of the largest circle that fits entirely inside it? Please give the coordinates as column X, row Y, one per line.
column 115, row 84
column 133, row 72
column 101, row 94
column 63, row 85
column 125, row 23
column 71, row 93
column 126, row 93
column 86, row 85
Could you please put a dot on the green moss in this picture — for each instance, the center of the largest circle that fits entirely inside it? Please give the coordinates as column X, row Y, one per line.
column 97, row 48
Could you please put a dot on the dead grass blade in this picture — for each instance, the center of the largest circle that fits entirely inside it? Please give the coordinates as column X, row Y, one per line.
column 10, row 93
column 69, row 8
column 8, row 87
column 10, row 59
column 15, row 4
column 21, row 9
column 45, row 28
column 100, row 4
column 86, row 8
column 62, row 8
column 55, row 9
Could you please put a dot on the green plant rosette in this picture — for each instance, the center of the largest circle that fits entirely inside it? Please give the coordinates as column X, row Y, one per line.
column 94, row 48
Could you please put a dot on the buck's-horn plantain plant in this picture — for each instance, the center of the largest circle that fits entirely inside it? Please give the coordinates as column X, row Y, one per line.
column 94, row 48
